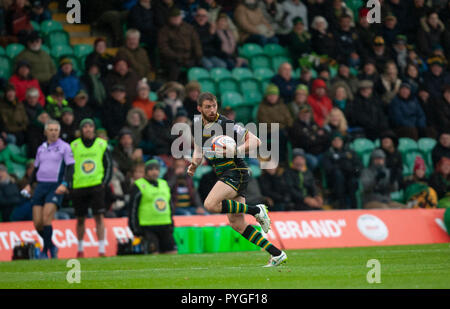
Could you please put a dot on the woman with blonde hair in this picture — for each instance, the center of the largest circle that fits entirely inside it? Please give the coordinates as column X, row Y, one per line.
column 336, row 121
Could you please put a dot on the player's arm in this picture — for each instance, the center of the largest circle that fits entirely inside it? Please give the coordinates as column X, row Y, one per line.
column 251, row 143
column 197, row 158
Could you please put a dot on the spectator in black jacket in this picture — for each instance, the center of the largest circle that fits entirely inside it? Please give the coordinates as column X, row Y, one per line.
column 436, row 78
column 115, row 111
column 275, row 189
column 347, row 41
column 342, row 168
column 442, row 108
column 9, row 194
column 100, row 57
column 440, row 179
column 141, row 17
column 81, row 108
column 304, row 192
column 394, row 161
column 68, row 127
column 442, row 148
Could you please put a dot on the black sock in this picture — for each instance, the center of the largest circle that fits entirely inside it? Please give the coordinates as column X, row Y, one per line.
column 47, row 236
column 254, row 236
column 233, row 207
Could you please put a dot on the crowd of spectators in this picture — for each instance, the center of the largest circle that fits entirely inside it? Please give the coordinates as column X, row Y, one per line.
column 381, row 81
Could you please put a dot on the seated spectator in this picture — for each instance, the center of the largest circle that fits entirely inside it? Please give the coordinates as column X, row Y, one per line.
column 273, row 13
column 300, row 99
column 306, row 134
column 95, row 88
column 336, row 122
column 342, row 168
column 17, row 19
column 341, row 95
column 440, row 179
column 400, row 52
column 41, row 64
column 192, row 91
column 179, row 45
column 369, row 71
column 429, row 108
column 39, row 12
column 430, row 33
column 68, row 126
column 418, row 194
column 31, row 103
column 142, row 100
column 348, row 44
column 142, row 17
column 393, row 160
column 365, row 30
column 35, row 133
column 100, row 57
column 436, row 77
column 412, row 77
column 228, row 43
column 299, row 39
column 81, row 109
column 322, row 39
column 135, row 55
column 125, row 154
column 334, row 11
column 304, row 192
column 23, row 80
column 275, row 188
column 442, row 105
column 293, row 9
column 7, row 158
column 122, row 75
column 171, row 95
column 56, row 101
column 343, row 75
column 376, row 183
column 442, row 148
column 209, row 40
column 379, row 53
column 13, row 115
column 272, row 110
column 116, row 110
column 9, row 194
column 136, row 122
column 66, row 78
column 323, row 72
column 321, row 104
column 185, row 197
column 156, row 137
column 406, row 114
column 253, row 26
column 390, row 29
column 162, row 10
column 285, row 82
column 366, row 112
column 306, row 77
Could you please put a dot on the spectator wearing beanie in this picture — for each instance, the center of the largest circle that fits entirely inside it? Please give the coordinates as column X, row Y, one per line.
column 66, row 78
column 68, row 126
column 13, row 114
column 95, row 88
column 23, row 80
column 319, row 101
column 436, row 78
column 142, row 18
column 406, row 114
column 364, row 29
column 300, row 99
column 442, row 148
column 171, row 95
column 299, row 39
column 418, row 194
column 369, row 70
column 142, row 100
column 442, row 108
column 440, row 179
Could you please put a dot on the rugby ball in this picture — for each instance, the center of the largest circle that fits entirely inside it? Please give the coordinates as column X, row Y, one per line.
column 221, row 142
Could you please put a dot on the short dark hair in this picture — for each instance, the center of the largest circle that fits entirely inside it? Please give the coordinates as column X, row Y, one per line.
column 205, row 96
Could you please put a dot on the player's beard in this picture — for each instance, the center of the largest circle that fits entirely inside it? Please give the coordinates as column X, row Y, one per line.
column 209, row 117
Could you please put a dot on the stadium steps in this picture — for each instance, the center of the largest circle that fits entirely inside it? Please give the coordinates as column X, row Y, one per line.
column 61, row 17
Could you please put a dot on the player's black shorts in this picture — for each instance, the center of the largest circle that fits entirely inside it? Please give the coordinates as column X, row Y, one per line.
column 90, row 197
column 237, row 179
column 158, row 238
column 45, row 193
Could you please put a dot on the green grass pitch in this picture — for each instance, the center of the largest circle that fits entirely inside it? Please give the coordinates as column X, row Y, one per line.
column 421, row 266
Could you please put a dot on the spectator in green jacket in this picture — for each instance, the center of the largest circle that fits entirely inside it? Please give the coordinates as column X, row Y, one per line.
column 55, row 103
column 299, row 40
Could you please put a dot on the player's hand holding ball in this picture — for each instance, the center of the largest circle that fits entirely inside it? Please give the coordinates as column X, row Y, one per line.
column 191, row 169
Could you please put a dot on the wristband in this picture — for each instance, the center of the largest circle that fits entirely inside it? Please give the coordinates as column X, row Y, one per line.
column 64, row 183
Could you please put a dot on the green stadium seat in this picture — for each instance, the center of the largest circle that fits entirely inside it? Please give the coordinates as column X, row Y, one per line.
column 199, row 172
column 196, row 73
column 278, row 60
column 153, row 96
column 35, row 25
column 256, row 170
column 46, row 49
column 231, row 99
column 263, row 73
column 260, row 61
column 398, row 196
column 2, row 51
column 253, row 97
column 296, row 73
column 5, row 67
column 250, row 50
column 264, row 84
column 273, row 50
column 363, row 147
column 207, row 85
column 241, row 73
column 409, row 159
column 406, row 145
column 249, row 84
column 18, row 169
column 48, row 26
column 227, row 84
column 58, row 37
column 219, row 73
column 12, row 50
column 81, row 50
column 59, row 51
column 426, row 146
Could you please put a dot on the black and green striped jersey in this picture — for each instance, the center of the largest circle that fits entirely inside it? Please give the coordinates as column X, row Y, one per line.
column 221, row 126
